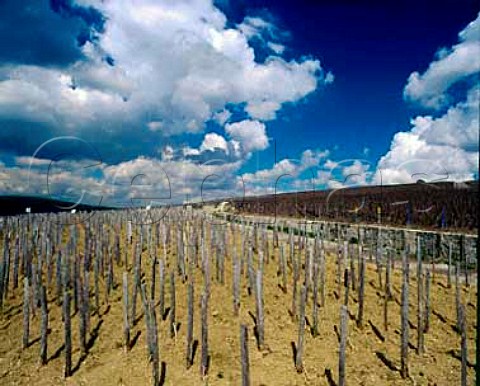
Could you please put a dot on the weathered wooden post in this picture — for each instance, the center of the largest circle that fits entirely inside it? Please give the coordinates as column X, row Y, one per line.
column 301, row 330
column 464, row 258
column 352, row 273
column 34, row 285
column 463, row 344
column 428, row 280
column 126, row 324
column 190, row 300
column 343, row 344
column 236, row 286
column 404, row 318
column 244, row 355
column 307, row 270
column 259, row 309
column 152, row 334
column 322, row 277
column 135, row 287
column 58, row 278
column 361, row 292
column 155, row 349
column 161, row 294
column 44, row 326
column 110, row 277
column 5, row 275
column 449, row 272
column 346, row 284
column 222, row 264
column 16, row 260
column 315, row 299
column 153, row 270
column 26, row 312
column 339, row 268
column 86, row 299
column 173, row 329
column 204, row 354
column 147, row 318
column 96, row 274
column 295, row 284
column 379, row 257
column 68, row 333
column 82, row 324
column 457, row 295
column 129, row 232
column 388, row 292
column 250, row 272
column 283, row 265
column 76, row 284
column 420, row 311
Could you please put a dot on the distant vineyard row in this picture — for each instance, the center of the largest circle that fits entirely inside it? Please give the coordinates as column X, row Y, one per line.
column 433, row 205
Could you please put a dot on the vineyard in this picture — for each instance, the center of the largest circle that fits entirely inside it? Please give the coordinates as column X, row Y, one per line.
column 184, row 298
column 440, row 205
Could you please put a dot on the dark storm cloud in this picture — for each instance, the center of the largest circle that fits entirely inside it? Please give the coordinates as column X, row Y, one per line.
column 46, row 33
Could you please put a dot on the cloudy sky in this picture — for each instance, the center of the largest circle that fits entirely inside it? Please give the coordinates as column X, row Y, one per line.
column 168, row 100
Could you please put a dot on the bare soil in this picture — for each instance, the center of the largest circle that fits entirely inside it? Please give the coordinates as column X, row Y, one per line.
column 373, row 355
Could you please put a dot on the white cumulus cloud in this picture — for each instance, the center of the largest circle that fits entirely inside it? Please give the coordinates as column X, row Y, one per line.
column 250, row 134
column 214, row 141
column 174, row 66
column 444, row 146
column 453, row 65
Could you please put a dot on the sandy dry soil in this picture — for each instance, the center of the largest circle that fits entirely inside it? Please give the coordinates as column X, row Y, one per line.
column 372, row 358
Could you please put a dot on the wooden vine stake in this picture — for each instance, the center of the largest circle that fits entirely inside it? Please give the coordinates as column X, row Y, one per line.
column 259, row 309
column 388, row 291
column 34, row 298
column 361, row 292
column 126, row 323
column 68, row 333
column 135, row 287
column 457, row 295
column 153, row 274
column 301, row 330
column 58, row 278
column 155, row 349
column 86, row 299
column 294, row 289
column 147, row 318
column 204, row 354
column 244, row 355
column 428, row 280
column 353, row 274
column 322, row 279
column 316, row 269
column 404, row 319
column 83, row 318
column 463, row 345
column 346, row 283
column 173, row 328
column 44, row 326
column 449, row 272
column 343, row 344
column 161, row 295
column 236, row 286
column 190, row 297
column 420, row 300
column 26, row 312
column 96, row 275
column 283, row 265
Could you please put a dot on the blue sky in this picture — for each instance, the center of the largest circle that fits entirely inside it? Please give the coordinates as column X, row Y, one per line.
column 164, row 99
column 371, row 47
